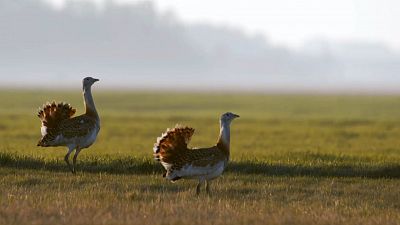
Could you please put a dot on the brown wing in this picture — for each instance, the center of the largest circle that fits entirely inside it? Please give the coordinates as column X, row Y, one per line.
column 77, row 126
column 69, row 128
column 172, row 141
column 203, row 157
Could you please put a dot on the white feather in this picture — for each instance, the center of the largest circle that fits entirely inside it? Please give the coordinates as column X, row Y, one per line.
column 43, row 130
column 195, row 172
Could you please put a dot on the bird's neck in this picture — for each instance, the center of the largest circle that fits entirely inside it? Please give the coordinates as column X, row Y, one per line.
column 224, row 137
column 89, row 103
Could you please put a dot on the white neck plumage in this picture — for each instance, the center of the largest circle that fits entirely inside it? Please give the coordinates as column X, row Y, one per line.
column 224, row 137
column 89, row 103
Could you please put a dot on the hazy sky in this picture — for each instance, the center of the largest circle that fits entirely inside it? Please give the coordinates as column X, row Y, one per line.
column 186, row 44
column 292, row 22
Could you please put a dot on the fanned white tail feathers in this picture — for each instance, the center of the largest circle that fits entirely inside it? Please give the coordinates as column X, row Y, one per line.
column 175, row 139
column 51, row 114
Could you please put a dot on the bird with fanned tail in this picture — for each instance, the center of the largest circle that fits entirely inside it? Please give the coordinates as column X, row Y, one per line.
column 203, row 164
column 59, row 128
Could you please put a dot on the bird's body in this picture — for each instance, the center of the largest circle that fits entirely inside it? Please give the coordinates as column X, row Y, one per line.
column 203, row 164
column 59, row 128
column 73, row 132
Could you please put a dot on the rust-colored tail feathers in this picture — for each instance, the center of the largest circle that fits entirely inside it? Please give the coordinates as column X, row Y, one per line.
column 51, row 114
column 176, row 139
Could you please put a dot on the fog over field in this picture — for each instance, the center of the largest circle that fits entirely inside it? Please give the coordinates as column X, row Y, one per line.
column 138, row 46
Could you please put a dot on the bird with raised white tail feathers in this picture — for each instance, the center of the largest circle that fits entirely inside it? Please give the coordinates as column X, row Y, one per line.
column 203, row 164
column 59, row 128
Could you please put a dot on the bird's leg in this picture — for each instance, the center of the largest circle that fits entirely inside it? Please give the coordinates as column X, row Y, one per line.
column 199, row 186
column 66, row 158
column 74, row 159
column 208, row 183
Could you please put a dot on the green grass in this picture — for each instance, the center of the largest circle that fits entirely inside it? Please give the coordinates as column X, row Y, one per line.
column 294, row 160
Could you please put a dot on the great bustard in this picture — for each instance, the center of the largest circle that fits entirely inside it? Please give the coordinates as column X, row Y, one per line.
column 204, row 164
column 76, row 133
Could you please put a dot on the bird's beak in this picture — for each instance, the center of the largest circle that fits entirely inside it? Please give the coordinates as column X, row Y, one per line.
column 95, row 80
column 236, row 116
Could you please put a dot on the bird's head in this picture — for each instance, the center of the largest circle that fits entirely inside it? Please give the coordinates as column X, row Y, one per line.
column 88, row 82
column 228, row 117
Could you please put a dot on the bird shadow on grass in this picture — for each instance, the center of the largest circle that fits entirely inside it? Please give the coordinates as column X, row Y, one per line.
column 372, row 172
column 124, row 165
column 133, row 165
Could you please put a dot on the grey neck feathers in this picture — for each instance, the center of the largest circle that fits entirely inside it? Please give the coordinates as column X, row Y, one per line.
column 89, row 103
column 224, row 137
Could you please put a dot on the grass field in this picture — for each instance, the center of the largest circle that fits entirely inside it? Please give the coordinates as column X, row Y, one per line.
column 294, row 160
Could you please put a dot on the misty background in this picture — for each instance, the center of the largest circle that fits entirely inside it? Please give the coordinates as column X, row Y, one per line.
column 137, row 46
